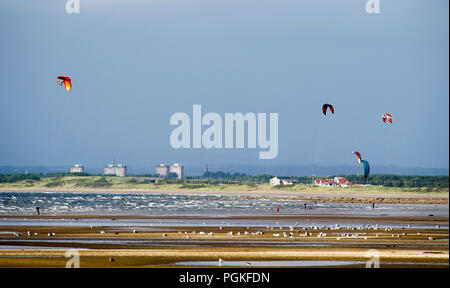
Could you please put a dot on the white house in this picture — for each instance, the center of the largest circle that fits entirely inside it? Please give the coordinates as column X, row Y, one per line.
column 282, row 181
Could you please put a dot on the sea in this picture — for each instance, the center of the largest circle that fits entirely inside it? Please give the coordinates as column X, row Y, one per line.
column 61, row 203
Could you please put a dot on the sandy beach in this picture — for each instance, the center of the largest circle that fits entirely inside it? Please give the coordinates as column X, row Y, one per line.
column 339, row 229
column 150, row 242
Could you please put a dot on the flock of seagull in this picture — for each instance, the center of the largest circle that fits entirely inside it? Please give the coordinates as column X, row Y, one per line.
column 306, row 231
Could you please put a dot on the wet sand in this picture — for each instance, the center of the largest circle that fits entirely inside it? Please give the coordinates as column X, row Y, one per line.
column 410, row 242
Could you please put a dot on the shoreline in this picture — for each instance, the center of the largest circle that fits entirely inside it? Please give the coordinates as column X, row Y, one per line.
column 306, row 196
column 144, row 245
column 354, row 218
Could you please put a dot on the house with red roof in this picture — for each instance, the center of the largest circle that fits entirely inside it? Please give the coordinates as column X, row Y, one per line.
column 336, row 182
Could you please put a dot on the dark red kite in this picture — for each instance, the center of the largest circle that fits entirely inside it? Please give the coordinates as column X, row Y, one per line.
column 324, row 108
column 387, row 117
column 64, row 80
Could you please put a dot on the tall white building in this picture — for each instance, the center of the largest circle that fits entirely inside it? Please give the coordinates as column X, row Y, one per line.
column 178, row 169
column 162, row 170
column 113, row 169
column 77, row 168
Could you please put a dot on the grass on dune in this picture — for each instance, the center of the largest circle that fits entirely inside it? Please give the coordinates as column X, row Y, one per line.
column 130, row 183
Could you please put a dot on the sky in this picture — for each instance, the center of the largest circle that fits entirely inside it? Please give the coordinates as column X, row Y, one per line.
column 135, row 63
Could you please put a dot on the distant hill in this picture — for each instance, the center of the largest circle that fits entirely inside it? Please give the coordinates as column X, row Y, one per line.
column 279, row 170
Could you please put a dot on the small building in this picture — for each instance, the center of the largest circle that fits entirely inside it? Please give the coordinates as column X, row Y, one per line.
column 319, row 182
column 346, row 184
column 336, row 182
column 340, row 180
column 282, row 181
column 325, row 182
column 117, row 170
column 77, row 168
column 162, row 170
column 178, row 169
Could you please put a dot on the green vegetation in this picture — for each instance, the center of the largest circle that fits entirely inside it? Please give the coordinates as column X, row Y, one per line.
column 221, row 181
column 11, row 178
column 406, row 181
column 101, row 182
column 386, row 180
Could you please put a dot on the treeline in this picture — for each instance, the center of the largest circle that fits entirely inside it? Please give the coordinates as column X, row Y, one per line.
column 215, row 178
column 387, row 180
column 407, row 181
column 11, row 178
column 236, row 176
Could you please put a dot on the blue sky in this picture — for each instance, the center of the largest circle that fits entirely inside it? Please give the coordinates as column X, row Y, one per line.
column 135, row 63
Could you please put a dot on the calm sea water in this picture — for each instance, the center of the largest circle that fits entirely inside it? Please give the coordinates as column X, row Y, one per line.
column 59, row 203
